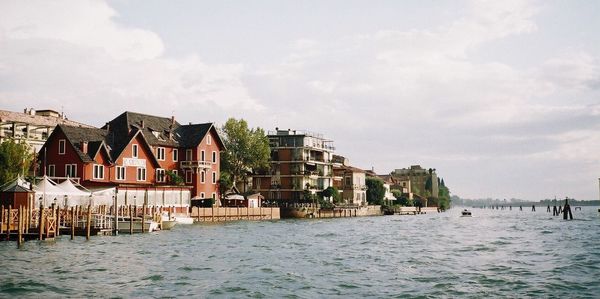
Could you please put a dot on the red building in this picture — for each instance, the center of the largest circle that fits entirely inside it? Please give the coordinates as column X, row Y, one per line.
column 137, row 151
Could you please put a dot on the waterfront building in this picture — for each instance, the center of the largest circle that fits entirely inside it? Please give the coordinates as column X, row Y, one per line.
column 418, row 180
column 32, row 126
column 136, row 152
column 301, row 167
column 350, row 181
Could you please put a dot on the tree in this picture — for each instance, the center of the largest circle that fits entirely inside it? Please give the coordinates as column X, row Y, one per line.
column 225, row 183
column 15, row 160
column 402, row 199
column 375, row 190
column 246, row 149
column 332, row 192
column 174, row 178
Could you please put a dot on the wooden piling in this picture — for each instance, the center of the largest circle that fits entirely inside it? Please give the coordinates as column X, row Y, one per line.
column 57, row 221
column 567, row 211
column 143, row 217
column 73, row 222
column 8, row 218
column 533, row 208
column 131, row 220
column 20, row 234
column 89, row 223
column 1, row 219
column 41, row 222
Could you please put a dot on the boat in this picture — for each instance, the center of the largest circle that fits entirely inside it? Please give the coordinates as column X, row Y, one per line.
column 149, row 226
column 184, row 220
column 466, row 213
column 167, row 224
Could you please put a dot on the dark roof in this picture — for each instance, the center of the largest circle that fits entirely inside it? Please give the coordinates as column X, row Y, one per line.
column 192, row 135
column 77, row 135
column 117, row 134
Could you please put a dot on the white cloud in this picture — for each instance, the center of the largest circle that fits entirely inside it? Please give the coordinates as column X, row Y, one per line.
column 74, row 54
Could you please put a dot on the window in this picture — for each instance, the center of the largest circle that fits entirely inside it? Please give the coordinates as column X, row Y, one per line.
column 214, row 157
column 208, row 139
column 71, row 170
column 188, row 155
column 160, row 175
column 202, row 155
column 175, row 155
column 214, row 177
column 141, row 174
column 201, row 194
column 98, row 172
column 202, row 176
column 51, row 170
column 188, row 177
column 120, row 173
column 175, row 171
column 214, row 195
column 134, row 151
column 160, row 153
column 61, row 146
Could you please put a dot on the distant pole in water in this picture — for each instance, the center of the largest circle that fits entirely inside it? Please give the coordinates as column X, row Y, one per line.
column 548, row 209
column 520, row 208
column 567, row 210
column 510, row 208
column 533, row 208
column 555, row 211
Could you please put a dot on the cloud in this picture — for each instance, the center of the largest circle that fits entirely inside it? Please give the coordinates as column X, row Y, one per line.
column 74, row 54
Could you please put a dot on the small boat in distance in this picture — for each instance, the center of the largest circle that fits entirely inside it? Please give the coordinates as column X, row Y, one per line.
column 466, row 213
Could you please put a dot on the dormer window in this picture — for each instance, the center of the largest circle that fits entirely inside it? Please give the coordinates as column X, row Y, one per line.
column 61, row 146
column 208, row 139
column 134, row 151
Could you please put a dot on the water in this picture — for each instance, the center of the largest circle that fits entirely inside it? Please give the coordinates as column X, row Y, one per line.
column 494, row 253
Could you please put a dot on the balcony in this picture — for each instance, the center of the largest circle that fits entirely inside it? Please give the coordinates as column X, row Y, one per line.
column 195, row 164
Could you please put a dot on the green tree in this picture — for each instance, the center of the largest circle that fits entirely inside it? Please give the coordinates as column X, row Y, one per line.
column 402, row 199
column 334, row 193
column 15, row 160
column 375, row 191
column 246, row 149
column 225, row 182
column 174, row 178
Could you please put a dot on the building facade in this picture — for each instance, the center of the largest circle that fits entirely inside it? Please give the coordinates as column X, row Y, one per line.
column 417, row 180
column 32, row 127
column 350, row 181
column 301, row 166
column 137, row 151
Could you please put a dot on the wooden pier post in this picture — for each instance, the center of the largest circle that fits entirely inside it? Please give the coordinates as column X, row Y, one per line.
column 533, row 208
column 73, row 223
column 20, row 236
column 8, row 218
column 41, row 222
column 548, row 209
column 1, row 219
column 567, row 211
column 131, row 220
column 57, row 221
column 89, row 222
column 555, row 211
column 143, row 216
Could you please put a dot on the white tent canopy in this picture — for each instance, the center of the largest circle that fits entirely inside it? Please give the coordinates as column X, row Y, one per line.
column 70, row 189
column 48, row 187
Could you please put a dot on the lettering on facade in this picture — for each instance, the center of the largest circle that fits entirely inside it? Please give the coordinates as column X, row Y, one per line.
column 134, row 162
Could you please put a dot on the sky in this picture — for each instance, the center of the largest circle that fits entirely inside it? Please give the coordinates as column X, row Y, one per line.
column 500, row 97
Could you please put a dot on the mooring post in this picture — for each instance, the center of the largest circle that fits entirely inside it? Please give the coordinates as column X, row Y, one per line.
column 41, row 222
column 548, row 209
column 143, row 216
column 131, row 220
column 520, row 208
column 510, row 208
column 89, row 222
column 567, row 211
column 73, row 222
column 1, row 219
column 8, row 220
column 20, row 234
column 533, row 208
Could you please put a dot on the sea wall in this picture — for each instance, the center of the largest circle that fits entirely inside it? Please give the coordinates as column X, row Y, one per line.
column 310, row 212
column 233, row 214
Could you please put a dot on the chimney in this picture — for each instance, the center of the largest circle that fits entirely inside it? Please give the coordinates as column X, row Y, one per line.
column 84, row 147
column 172, row 120
column 25, row 111
column 142, row 123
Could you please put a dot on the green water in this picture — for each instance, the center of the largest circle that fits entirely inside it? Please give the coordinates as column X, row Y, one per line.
column 492, row 254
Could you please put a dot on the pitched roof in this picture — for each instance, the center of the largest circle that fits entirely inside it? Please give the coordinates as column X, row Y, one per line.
column 77, row 135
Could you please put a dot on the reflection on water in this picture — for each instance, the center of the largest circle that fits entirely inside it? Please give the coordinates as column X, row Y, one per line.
column 500, row 253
